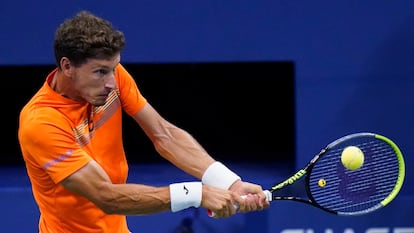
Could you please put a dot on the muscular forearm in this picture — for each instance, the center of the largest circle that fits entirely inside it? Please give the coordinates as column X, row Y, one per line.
column 174, row 144
column 133, row 199
column 181, row 149
column 93, row 183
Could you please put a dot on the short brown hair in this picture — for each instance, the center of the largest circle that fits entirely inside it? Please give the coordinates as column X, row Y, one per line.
column 87, row 36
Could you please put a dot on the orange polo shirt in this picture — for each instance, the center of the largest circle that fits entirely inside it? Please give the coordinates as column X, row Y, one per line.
column 58, row 136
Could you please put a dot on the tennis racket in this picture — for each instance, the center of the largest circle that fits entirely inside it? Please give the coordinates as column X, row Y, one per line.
column 326, row 184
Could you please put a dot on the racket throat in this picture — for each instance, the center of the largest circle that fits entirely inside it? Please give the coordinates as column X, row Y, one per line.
column 290, row 180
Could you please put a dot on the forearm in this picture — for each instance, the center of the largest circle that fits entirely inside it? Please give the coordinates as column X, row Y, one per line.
column 133, row 199
column 182, row 149
column 92, row 182
column 185, row 152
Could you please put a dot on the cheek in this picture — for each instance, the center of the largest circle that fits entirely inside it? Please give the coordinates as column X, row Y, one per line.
column 87, row 82
column 87, row 87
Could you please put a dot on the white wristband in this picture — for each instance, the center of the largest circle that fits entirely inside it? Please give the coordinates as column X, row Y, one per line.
column 219, row 176
column 185, row 195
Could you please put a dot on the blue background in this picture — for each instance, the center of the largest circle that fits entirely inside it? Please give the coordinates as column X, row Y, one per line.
column 354, row 67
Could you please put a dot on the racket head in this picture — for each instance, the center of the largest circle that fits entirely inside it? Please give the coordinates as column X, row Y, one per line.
column 360, row 191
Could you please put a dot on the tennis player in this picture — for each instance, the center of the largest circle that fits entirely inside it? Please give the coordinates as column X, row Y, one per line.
column 70, row 136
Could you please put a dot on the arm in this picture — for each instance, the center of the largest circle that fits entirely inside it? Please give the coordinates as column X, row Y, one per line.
column 173, row 143
column 180, row 148
column 92, row 182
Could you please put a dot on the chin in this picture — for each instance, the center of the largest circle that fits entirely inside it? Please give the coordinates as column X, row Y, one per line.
column 98, row 102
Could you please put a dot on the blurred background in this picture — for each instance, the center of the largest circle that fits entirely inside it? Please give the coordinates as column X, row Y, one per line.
column 263, row 85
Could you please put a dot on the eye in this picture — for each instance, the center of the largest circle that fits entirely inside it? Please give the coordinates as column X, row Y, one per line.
column 102, row 72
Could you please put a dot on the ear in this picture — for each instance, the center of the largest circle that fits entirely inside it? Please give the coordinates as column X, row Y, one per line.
column 66, row 66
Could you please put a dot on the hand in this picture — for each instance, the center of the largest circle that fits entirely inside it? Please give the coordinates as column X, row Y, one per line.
column 254, row 198
column 223, row 203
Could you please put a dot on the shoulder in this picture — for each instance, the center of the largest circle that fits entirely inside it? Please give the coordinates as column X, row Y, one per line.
column 121, row 71
column 42, row 121
column 123, row 77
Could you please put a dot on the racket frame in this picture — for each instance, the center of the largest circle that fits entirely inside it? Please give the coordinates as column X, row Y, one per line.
column 306, row 170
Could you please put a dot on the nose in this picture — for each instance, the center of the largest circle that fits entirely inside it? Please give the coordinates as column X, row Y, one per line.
column 110, row 81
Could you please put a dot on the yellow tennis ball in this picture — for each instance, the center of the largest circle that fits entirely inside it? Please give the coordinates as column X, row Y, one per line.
column 352, row 157
column 321, row 182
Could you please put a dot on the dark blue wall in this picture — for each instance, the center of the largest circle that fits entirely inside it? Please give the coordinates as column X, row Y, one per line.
column 353, row 59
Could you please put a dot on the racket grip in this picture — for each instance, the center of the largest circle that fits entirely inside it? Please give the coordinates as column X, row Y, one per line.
column 268, row 194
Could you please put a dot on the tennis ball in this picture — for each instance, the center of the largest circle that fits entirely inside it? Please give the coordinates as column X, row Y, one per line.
column 321, row 182
column 352, row 157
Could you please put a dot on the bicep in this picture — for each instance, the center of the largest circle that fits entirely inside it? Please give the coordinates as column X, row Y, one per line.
column 88, row 181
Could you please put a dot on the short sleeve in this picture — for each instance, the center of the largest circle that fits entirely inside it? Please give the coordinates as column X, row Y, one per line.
column 49, row 143
column 131, row 98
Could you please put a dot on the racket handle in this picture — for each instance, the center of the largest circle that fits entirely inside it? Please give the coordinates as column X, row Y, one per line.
column 268, row 194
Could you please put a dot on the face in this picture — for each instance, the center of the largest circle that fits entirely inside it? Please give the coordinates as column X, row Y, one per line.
column 94, row 80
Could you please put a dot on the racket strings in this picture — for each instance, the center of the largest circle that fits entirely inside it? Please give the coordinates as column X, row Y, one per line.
column 359, row 190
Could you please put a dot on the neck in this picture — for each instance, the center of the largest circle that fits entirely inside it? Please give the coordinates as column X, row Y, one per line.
column 53, row 83
column 56, row 84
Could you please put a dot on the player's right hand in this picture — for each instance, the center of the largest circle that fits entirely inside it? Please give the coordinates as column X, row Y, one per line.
column 253, row 196
column 221, row 203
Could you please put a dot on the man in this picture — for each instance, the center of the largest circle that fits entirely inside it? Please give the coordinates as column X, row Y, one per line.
column 71, row 140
